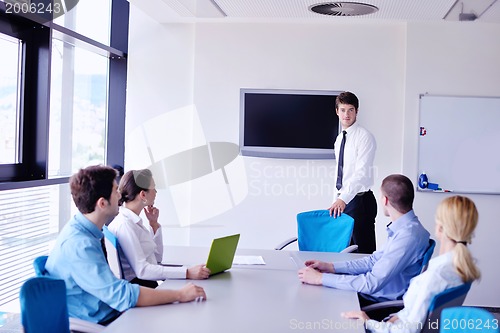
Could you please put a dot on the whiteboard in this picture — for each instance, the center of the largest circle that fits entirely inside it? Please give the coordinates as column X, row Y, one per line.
column 459, row 143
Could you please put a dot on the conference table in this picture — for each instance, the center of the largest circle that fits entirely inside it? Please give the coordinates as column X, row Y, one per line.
column 248, row 298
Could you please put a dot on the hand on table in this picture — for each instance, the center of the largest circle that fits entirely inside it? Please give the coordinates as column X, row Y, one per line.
column 355, row 315
column 191, row 292
column 198, row 272
column 310, row 276
column 323, row 267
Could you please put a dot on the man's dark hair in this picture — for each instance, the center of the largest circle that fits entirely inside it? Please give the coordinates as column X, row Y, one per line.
column 133, row 182
column 90, row 184
column 119, row 171
column 346, row 97
column 400, row 192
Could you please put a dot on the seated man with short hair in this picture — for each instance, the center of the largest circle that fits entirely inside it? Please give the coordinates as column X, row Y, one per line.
column 93, row 292
column 386, row 274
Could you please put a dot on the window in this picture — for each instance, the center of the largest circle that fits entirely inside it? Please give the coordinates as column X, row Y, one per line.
column 10, row 76
column 77, row 19
column 61, row 86
column 77, row 136
column 27, row 225
column 80, row 70
column 27, row 128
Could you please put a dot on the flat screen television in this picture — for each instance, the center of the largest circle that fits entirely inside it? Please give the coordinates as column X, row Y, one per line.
column 288, row 123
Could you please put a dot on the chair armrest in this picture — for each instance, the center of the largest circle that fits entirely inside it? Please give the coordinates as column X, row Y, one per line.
column 349, row 249
column 285, row 243
column 383, row 305
column 77, row 325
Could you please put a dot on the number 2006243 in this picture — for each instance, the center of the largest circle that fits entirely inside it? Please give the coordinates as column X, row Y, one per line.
column 32, row 8
column 472, row 324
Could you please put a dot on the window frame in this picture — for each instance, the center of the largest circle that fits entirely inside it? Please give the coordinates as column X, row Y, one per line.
column 35, row 92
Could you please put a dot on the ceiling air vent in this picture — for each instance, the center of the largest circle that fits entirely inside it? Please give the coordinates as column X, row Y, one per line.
column 343, row 8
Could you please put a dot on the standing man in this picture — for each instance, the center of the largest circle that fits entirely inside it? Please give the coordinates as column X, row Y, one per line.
column 355, row 151
column 93, row 292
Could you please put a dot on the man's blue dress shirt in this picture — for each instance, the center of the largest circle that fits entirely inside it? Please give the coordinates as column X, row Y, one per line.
column 386, row 274
column 93, row 292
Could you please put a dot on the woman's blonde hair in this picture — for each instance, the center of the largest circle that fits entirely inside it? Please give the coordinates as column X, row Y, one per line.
column 458, row 216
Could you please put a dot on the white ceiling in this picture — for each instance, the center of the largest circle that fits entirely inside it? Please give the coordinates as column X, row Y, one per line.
column 271, row 10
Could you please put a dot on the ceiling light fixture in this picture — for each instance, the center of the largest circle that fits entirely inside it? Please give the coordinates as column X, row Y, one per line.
column 343, row 8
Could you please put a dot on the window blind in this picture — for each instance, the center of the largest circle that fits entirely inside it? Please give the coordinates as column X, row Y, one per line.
column 26, row 229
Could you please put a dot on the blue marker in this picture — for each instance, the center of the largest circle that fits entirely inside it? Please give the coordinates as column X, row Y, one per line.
column 423, row 181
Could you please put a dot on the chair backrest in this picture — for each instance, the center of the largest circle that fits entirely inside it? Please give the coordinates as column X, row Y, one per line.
column 113, row 252
column 39, row 265
column 464, row 319
column 318, row 231
column 43, row 306
column 446, row 299
column 428, row 255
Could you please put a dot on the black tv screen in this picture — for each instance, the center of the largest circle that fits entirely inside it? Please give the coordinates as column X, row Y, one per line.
column 288, row 123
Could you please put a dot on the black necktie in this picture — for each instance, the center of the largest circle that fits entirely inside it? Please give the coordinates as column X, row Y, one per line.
column 103, row 246
column 341, row 162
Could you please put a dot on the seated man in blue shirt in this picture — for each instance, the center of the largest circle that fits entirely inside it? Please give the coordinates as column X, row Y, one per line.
column 386, row 274
column 93, row 292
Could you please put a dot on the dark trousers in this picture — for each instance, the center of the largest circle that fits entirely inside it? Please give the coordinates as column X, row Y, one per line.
column 144, row 283
column 363, row 209
column 112, row 317
column 379, row 314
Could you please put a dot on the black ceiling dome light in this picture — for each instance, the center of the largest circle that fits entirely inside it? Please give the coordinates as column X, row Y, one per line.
column 343, row 8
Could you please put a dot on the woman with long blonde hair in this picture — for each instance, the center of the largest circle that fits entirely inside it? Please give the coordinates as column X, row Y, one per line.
column 456, row 220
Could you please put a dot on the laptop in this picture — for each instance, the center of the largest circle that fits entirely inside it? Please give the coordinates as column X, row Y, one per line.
column 222, row 253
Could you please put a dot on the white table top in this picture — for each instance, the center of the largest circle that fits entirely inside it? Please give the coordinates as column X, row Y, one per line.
column 192, row 255
column 266, row 298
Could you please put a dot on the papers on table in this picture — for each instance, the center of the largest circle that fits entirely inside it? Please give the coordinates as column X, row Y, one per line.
column 248, row 260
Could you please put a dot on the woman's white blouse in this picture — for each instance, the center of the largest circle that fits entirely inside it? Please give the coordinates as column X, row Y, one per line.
column 439, row 276
column 143, row 250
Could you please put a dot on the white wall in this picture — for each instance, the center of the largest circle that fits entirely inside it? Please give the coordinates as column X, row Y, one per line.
column 228, row 57
column 386, row 64
column 160, row 74
column 300, row 56
column 456, row 58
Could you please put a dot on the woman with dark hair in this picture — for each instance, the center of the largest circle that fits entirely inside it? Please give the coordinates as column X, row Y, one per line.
column 143, row 246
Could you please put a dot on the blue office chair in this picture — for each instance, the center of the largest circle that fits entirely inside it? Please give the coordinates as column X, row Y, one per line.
column 43, row 306
column 397, row 305
column 450, row 297
column 464, row 319
column 428, row 255
column 39, row 265
column 114, row 253
column 320, row 232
